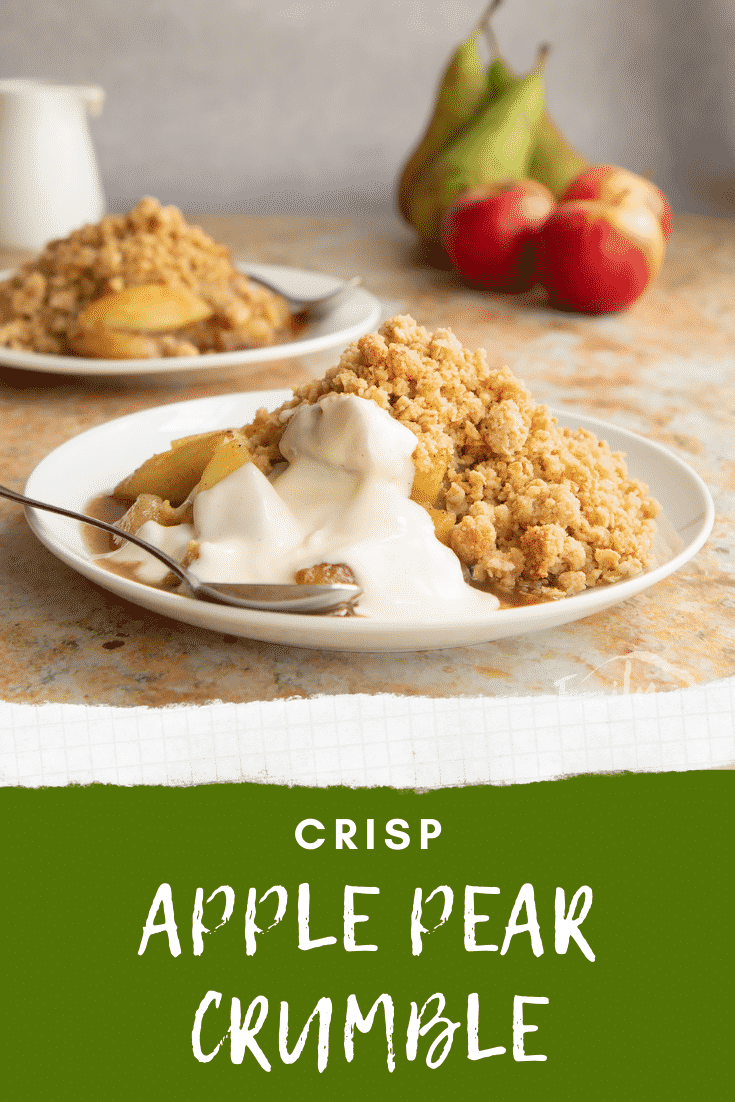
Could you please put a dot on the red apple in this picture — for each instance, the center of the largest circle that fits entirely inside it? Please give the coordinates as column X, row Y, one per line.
column 488, row 233
column 596, row 257
column 616, row 185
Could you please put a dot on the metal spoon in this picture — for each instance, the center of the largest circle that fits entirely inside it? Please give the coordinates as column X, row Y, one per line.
column 313, row 306
column 266, row 597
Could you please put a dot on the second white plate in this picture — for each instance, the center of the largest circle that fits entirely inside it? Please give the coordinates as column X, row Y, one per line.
column 95, row 461
column 355, row 313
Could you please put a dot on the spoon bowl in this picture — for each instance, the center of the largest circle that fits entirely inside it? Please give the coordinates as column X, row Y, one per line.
column 266, row 597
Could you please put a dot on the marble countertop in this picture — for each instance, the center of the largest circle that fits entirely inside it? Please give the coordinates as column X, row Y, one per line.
column 665, row 369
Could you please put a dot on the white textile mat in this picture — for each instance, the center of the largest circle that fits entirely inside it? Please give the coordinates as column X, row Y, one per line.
column 361, row 740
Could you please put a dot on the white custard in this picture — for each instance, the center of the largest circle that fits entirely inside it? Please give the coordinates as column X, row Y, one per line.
column 343, row 497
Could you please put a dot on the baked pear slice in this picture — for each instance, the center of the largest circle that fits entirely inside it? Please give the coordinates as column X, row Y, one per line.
column 124, row 324
column 172, row 475
column 230, row 453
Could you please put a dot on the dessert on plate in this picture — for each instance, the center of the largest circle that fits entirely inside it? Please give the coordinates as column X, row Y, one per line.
column 412, row 466
column 141, row 285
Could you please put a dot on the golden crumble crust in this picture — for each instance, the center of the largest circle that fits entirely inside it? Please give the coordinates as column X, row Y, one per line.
column 151, row 244
column 538, row 508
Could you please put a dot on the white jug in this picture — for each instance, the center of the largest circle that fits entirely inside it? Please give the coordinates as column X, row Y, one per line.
column 49, row 181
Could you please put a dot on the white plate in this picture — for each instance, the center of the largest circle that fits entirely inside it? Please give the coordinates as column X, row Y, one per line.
column 356, row 312
column 95, row 461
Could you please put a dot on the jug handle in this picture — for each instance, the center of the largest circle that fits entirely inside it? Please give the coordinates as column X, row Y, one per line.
column 93, row 97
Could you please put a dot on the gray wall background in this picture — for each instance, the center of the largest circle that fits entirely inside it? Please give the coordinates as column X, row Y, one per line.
column 311, row 107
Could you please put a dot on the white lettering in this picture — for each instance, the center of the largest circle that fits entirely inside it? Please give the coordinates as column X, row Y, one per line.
column 305, row 941
column 197, row 919
column 355, row 1018
column 324, row 1009
column 427, row 833
column 527, row 898
column 243, row 1036
column 350, row 918
column 392, row 828
column 417, row 912
column 344, row 832
column 416, row 1030
column 567, row 926
column 520, row 1027
column 474, row 1052
column 196, row 1033
column 163, row 897
column 250, row 927
column 300, row 834
column 471, row 919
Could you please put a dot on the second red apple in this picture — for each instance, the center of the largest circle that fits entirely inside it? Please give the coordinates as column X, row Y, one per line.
column 617, row 186
column 488, row 233
column 596, row 258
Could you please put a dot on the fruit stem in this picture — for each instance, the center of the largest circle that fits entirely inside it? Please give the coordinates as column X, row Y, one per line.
column 485, row 25
column 542, row 55
column 490, row 11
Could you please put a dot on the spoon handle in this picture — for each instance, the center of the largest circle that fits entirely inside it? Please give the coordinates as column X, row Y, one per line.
column 309, row 304
column 275, row 598
column 173, row 566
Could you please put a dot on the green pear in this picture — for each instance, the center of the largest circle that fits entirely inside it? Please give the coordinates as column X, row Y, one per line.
column 554, row 161
column 496, row 146
column 462, row 90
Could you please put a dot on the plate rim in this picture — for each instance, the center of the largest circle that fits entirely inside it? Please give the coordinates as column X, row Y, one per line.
column 82, row 366
column 309, row 630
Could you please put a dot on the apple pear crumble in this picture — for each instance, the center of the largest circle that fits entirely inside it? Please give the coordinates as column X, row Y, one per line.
column 525, row 504
column 531, row 509
column 139, row 285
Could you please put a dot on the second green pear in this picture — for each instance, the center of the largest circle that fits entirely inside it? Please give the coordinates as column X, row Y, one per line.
column 495, row 147
column 553, row 161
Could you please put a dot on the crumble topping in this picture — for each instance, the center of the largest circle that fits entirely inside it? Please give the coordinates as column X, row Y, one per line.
column 524, row 503
column 151, row 244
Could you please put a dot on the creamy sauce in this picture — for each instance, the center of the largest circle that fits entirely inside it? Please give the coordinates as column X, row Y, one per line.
column 106, row 508
column 342, row 497
column 99, row 543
